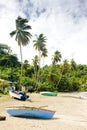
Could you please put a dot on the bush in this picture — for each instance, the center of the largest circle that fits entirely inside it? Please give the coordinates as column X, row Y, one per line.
column 46, row 86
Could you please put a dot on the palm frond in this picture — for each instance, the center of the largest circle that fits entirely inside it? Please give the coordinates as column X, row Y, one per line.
column 13, row 33
column 26, row 27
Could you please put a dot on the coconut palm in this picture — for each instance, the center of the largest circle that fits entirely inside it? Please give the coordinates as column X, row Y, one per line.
column 35, row 64
column 44, row 54
column 56, row 57
column 22, row 36
column 35, row 61
column 73, row 65
column 39, row 44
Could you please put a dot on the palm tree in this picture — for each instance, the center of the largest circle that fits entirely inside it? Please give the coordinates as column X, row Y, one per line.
column 65, row 67
column 22, row 36
column 73, row 65
column 56, row 57
column 44, row 54
column 39, row 45
column 35, row 64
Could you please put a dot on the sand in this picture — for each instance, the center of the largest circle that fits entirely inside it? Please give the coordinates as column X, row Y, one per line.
column 71, row 113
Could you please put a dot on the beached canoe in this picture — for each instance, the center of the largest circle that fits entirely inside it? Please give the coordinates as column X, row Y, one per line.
column 48, row 93
column 18, row 95
column 2, row 117
column 30, row 112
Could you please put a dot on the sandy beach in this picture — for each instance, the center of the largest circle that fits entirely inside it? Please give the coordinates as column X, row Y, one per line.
column 71, row 112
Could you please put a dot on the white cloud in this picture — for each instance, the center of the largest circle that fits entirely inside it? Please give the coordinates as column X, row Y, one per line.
column 63, row 22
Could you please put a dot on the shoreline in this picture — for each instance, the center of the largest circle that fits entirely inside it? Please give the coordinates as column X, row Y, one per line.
column 71, row 112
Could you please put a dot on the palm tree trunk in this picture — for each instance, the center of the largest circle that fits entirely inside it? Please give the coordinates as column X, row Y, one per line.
column 57, row 85
column 21, row 64
column 39, row 66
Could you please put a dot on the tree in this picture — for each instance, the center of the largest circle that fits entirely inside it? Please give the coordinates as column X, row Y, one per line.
column 56, row 57
column 39, row 45
column 35, row 64
column 25, row 64
column 22, row 36
column 4, row 49
column 44, row 54
column 9, row 60
column 65, row 67
column 73, row 65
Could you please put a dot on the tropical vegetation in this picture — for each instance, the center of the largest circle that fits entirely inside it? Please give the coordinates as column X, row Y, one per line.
column 60, row 75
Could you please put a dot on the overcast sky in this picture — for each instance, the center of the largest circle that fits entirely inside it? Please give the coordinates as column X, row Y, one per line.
column 63, row 22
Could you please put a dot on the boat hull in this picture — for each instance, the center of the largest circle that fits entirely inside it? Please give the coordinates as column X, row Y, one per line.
column 47, row 93
column 30, row 112
column 19, row 96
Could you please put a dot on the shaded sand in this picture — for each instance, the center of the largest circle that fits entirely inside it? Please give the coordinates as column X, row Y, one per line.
column 71, row 113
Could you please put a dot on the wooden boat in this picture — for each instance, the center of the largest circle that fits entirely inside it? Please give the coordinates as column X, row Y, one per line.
column 30, row 112
column 2, row 117
column 18, row 95
column 48, row 93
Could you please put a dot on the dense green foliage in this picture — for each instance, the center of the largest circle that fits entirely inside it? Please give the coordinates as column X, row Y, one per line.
column 64, row 77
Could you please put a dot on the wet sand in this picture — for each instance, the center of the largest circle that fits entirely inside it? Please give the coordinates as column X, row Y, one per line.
column 71, row 112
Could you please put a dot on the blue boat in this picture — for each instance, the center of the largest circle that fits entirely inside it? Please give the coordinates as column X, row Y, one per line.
column 18, row 95
column 30, row 112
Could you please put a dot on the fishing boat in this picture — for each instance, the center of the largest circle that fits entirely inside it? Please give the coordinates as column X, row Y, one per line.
column 30, row 112
column 48, row 93
column 2, row 117
column 18, row 95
